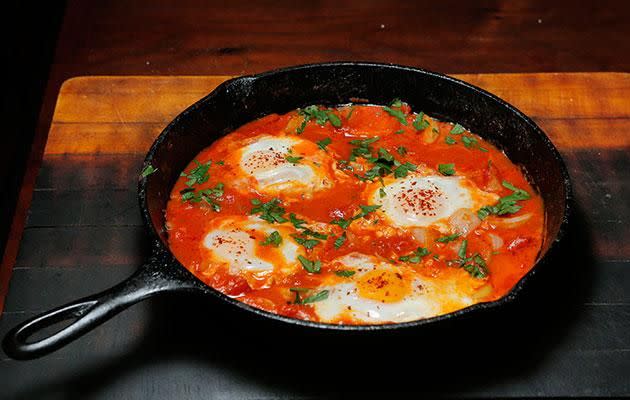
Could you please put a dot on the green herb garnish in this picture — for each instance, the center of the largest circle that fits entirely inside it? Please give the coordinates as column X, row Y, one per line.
column 320, row 117
column 416, row 256
column 323, row 295
column 197, row 175
column 449, row 238
column 313, row 267
column 304, row 241
column 457, row 130
column 507, row 204
column 210, row 196
column 401, row 150
column 269, row 211
column 446, row 169
column 296, row 221
column 274, row 239
column 340, row 240
column 420, row 123
column 403, row 169
column 323, row 143
column 449, row 140
column 148, row 170
column 399, row 115
column 346, row 273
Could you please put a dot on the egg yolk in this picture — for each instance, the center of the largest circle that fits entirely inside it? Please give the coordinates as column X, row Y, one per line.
column 384, row 286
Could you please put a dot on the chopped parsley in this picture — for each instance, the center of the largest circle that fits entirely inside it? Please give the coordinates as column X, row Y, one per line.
column 416, row 256
column 320, row 117
column 457, row 130
column 396, row 103
column 475, row 265
column 274, row 239
column 209, row 195
column 340, row 240
column 148, row 170
column 365, row 210
column 296, row 221
column 323, row 143
column 401, row 150
column 403, row 169
column 293, row 159
column 382, row 193
column 449, row 238
column 449, row 140
column 197, row 175
column 398, row 114
column 400, row 132
column 362, row 147
column 446, row 169
column 304, row 241
column 472, row 143
column 323, row 295
column 420, row 123
column 269, row 211
column 313, row 267
column 506, row 204
column 346, row 273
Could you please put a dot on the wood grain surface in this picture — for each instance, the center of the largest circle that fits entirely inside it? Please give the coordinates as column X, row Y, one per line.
column 568, row 337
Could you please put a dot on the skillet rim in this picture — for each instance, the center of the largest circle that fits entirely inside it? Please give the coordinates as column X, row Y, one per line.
column 158, row 246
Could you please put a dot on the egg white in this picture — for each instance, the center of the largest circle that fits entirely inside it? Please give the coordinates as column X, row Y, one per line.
column 236, row 242
column 264, row 159
column 423, row 201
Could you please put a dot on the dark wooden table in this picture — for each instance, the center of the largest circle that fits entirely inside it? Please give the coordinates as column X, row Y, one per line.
column 569, row 337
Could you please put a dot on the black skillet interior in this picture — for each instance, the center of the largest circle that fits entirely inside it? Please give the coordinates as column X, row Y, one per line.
column 244, row 99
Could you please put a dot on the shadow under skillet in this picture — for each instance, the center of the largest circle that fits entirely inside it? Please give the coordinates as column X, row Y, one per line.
column 451, row 359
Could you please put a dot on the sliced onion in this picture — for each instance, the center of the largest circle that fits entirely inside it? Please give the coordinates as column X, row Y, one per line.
column 421, row 235
column 495, row 241
column 512, row 222
column 463, row 221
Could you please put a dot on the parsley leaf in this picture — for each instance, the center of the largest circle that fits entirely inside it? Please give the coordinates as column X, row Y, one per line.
column 404, row 169
column 320, row 116
column 340, row 240
column 148, row 170
column 210, row 196
column 401, row 150
column 449, row 238
column 323, row 143
column 274, row 239
column 197, row 175
column 446, row 169
column 396, row 103
column 303, row 241
column 399, row 115
column 506, row 204
column 346, row 273
column 293, row 159
column 323, row 295
column 416, row 256
column 269, row 211
column 365, row 210
column 420, row 123
column 449, row 140
column 343, row 223
column 296, row 221
column 313, row 267
column 457, row 130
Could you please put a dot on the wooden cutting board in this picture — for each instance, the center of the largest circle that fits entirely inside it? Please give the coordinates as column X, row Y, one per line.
column 84, row 233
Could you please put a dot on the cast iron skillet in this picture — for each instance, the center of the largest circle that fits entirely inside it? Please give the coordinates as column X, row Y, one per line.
column 244, row 99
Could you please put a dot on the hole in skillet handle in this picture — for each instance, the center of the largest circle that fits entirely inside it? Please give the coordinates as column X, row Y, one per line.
column 83, row 315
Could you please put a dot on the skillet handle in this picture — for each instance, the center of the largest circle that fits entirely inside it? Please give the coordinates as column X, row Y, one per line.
column 91, row 311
